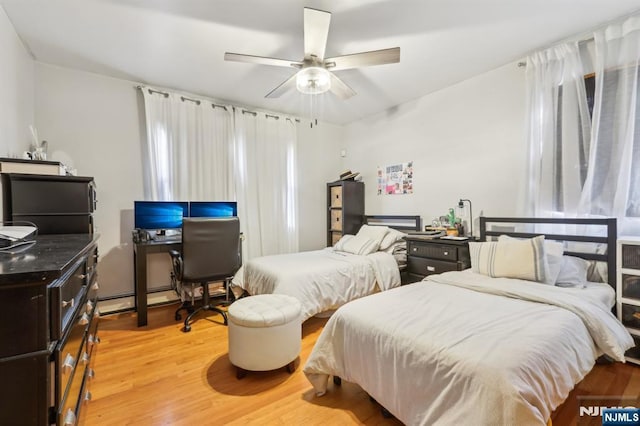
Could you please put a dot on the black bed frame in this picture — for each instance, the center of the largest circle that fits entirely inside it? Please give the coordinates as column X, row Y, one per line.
column 399, row 222
column 609, row 224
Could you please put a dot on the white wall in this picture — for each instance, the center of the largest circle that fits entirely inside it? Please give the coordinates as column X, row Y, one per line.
column 466, row 141
column 319, row 162
column 16, row 91
column 93, row 123
column 96, row 123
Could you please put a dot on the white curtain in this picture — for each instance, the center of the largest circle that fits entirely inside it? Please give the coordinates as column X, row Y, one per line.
column 189, row 149
column 613, row 183
column 267, row 176
column 558, row 131
column 583, row 164
column 199, row 151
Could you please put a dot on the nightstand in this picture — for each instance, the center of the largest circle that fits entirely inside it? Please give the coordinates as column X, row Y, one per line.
column 434, row 256
column 628, row 291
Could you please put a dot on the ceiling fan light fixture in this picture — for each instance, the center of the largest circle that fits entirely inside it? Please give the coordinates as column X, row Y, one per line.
column 313, row 80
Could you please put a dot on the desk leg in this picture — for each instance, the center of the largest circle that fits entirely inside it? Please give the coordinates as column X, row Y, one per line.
column 140, row 260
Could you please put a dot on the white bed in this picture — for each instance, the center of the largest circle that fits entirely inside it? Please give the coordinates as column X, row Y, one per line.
column 461, row 347
column 323, row 280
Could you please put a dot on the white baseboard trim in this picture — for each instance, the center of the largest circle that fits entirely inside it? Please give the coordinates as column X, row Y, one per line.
column 129, row 303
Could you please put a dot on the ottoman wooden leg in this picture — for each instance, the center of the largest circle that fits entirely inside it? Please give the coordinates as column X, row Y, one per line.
column 240, row 373
column 291, row 367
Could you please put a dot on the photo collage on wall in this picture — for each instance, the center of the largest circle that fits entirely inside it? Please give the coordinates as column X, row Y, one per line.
column 395, row 179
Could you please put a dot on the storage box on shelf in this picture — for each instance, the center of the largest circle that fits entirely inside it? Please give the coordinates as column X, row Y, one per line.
column 628, row 291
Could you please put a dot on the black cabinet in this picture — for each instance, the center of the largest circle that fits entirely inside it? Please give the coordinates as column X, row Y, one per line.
column 56, row 204
column 47, row 335
column 435, row 256
column 345, row 215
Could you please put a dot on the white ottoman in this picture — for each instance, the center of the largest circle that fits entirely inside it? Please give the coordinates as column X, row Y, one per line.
column 265, row 333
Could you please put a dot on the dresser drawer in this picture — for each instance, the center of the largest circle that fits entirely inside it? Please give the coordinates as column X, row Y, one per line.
column 69, row 356
column 66, row 293
column 630, row 256
column 424, row 266
column 433, row 251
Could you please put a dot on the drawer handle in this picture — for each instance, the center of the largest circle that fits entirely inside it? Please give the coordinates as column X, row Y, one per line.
column 93, row 340
column 69, row 418
column 69, row 303
column 91, row 373
column 95, row 286
column 95, row 256
column 69, row 364
column 87, row 397
column 96, row 313
column 85, row 358
column 84, row 319
column 82, row 276
column 89, row 305
column 431, row 268
column 446, row 253
column 414, row 249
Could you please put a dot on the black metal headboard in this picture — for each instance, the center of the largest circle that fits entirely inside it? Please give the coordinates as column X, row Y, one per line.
column 604, row 233
column 401, row 223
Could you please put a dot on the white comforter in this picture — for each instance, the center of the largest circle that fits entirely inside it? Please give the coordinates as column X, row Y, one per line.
column 322, row 279
column 462, row 348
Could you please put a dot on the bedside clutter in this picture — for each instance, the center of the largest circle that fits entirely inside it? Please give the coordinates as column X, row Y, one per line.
column 427, row 256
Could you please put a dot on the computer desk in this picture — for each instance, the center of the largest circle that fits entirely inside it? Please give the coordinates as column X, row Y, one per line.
column 140, row 252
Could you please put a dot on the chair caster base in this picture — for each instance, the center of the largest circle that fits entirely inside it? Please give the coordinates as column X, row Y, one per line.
column 178, row 317
column 186, row 328
column 337, row 381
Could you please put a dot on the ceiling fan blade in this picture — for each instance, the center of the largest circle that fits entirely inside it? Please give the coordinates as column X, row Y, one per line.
column 288, row 84
column 316, row 31
column 363, row 59
column 340, row 88
column 239, row 57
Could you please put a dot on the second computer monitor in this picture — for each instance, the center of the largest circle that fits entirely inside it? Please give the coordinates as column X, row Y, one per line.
column 213, row 208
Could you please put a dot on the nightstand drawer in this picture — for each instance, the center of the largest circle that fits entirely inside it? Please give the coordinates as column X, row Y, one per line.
column 424, row 266
column 631, row 286
column 635, row 351
column 631, row 316
column 630, row 256
column 433, row 251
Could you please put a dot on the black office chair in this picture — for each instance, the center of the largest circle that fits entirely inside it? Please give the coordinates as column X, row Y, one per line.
column 211, row 251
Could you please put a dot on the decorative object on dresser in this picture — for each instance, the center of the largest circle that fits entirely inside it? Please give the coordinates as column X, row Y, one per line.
column 628, row 291
column 345, row 203
column 426, row 256
column 46, row 356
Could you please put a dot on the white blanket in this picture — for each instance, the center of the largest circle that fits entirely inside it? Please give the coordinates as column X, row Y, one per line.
column 322, row 279
column 462, row 348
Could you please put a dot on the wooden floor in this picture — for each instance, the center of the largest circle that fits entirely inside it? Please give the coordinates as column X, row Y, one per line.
column 158, row 375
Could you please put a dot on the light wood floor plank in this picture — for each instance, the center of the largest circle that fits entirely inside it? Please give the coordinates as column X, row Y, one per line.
column 158, row 375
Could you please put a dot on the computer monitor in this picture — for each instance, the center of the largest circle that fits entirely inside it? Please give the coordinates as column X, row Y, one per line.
column 160, row 215
column 213, row 208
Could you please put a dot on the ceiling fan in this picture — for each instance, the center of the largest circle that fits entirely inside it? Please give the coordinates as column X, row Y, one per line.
column 315, row 73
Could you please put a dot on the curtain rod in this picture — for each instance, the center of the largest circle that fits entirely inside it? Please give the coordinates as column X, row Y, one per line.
column 213, row 105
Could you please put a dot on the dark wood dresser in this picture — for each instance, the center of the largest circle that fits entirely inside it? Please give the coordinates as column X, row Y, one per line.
column 434, row 256
column 48, row 326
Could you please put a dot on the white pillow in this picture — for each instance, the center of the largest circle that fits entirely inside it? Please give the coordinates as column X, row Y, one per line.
column 512, row 258
column 397, row 247
column 573, row 272
column 341, row 242
column 360, row 245
column 553, row 258
column 393, row 236
column 374, row 233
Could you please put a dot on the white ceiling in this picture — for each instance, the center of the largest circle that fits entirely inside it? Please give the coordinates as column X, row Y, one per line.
column 180, row 44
